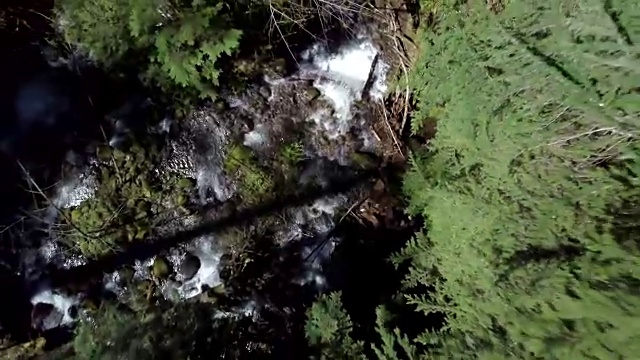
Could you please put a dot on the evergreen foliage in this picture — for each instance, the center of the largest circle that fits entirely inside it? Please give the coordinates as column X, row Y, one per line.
column 329, row 327
column 529, row 188
column 524, row 182
column 177, row 44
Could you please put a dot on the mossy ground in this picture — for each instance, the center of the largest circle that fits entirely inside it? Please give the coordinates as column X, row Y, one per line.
column 130, row 198
column 255, row 183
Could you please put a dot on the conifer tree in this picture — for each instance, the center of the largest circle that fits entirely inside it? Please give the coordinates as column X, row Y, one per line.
column 529, row 188
column 177, row 43
column 526, row 181
column 329, row 328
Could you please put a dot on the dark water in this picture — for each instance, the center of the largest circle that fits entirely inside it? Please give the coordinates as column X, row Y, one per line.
column 44, row 113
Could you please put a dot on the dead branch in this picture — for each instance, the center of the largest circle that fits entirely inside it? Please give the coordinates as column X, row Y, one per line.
column 40, row 192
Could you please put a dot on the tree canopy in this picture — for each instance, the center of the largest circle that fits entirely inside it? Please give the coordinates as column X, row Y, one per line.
column 529, row 187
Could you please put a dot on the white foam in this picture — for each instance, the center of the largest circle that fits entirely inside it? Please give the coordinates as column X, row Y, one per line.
column 215, row 179
column 61, row 302
column 257, row 139
column 350, row 66
column 74, row 191
column 208, row 274
column 52, row 252
column 318, row 218
column 249, row 309
column 341, row 78
column 379, row 87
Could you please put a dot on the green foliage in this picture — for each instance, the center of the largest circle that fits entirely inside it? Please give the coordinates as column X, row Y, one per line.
column 255, row 184
column 183, row 331
column 391, row 339
column 27, row 350
column 105, row 337
column 529, row 181
column 292, row 153
column 329, row 328
column 180, row 42
column 97, row 26
column 127, row 202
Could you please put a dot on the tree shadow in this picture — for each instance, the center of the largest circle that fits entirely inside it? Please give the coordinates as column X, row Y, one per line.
column 144, row 250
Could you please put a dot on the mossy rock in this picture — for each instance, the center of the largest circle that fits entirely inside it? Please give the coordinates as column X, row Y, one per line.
column 186, row 183
column 276, row 67
column 255, row 183
column 128, row 198
column 311, row 93
column 89, row 304
column 161, row 268
column 212, row 295
column 218, row 290
column 126, row 275
column 104, row 153
column 292, row 153
column 364, row 160
column 29, row 350
column 144, row 286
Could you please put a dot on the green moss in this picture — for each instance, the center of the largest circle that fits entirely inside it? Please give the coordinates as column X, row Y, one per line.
column 129, row 199
column 255, row 183
column 161, row 268
column 28, row 350
column 364, row 160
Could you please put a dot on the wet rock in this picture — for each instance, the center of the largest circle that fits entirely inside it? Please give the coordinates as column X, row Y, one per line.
column 161, row 268
column 265, row 91
column 73, row 311
column 311, row 93
column 190, row 266
column 226, row 261
column 126, row 275
column 45, row 316
column 364, row 160
column 89, row 304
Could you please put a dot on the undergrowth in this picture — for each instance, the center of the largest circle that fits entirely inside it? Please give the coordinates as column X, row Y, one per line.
column 255, row 183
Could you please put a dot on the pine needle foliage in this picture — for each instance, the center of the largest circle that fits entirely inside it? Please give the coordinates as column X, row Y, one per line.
column 177, row 43
column 527, row 181
column 529, row 189
column 329, row 328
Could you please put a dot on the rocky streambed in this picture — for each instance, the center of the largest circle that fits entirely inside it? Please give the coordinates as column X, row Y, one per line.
column 281, row 132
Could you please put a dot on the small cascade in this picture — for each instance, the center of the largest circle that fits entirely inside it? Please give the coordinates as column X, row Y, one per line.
column 318, row 219
column 53, row 309
column 326, row 100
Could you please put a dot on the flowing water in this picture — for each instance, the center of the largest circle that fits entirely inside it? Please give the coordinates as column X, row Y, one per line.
column 324, row 98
